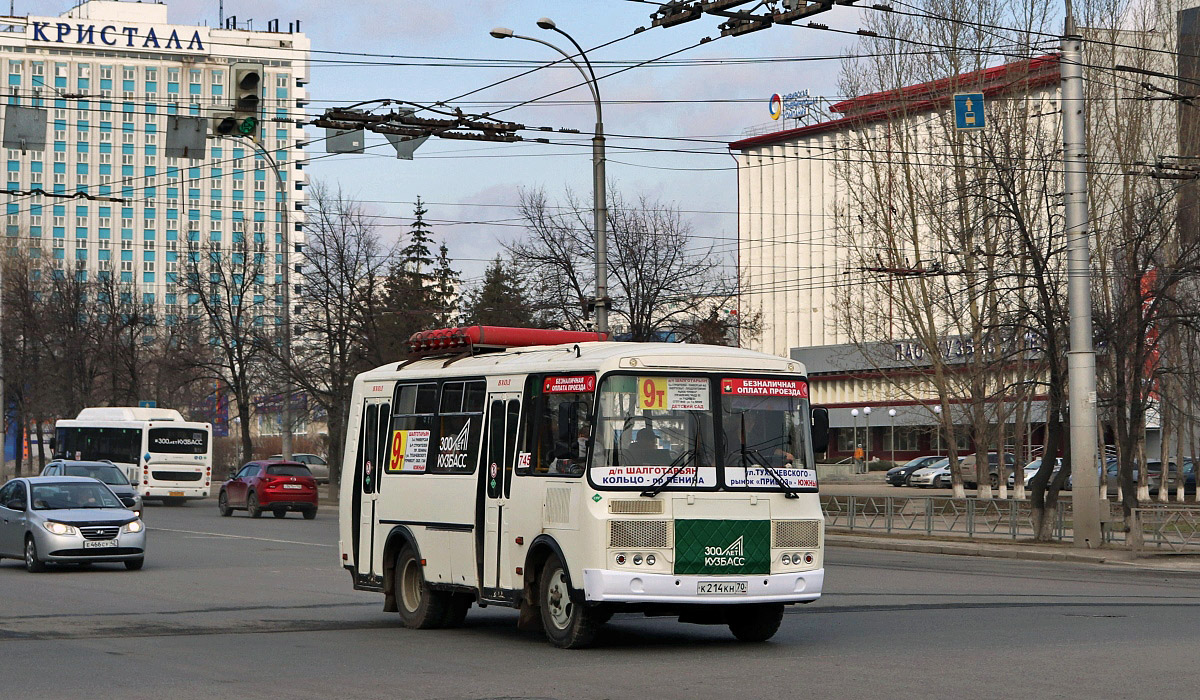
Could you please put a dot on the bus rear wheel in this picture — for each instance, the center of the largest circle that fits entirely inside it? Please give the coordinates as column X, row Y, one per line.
column 420, row 606
column 754, row 623
column 568, row 625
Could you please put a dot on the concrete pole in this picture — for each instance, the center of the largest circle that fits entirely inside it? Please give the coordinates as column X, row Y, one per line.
column 1081, row 358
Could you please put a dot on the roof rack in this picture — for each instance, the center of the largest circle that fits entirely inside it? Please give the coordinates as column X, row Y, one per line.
column 479, row 339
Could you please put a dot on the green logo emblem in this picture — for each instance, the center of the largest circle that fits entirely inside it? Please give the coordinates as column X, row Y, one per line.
column 596, row 498
column 722, row 546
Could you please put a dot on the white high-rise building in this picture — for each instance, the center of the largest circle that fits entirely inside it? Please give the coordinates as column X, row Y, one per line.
column 108, row 75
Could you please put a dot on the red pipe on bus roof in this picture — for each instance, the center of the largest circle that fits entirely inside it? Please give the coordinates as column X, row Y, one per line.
column 497, row 336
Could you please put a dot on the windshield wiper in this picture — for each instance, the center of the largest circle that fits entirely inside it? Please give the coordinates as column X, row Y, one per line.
column 677, row 466
column 788, row 491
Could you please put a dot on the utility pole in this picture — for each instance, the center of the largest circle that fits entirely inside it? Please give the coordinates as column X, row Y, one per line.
column 1081, row 358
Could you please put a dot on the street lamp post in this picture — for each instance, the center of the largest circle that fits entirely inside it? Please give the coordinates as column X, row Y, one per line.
column 854, row 415
column 937, row 410
column 867, row 454
column 599, row 198
column 892, row 415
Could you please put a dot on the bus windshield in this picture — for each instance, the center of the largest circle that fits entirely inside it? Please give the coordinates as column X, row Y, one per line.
column 123, row 445
column 654, row 431
column 186, row 441
column 764, row 422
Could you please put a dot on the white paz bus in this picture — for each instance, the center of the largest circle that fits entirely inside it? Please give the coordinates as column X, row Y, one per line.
column 165, row 457
column 572, row 479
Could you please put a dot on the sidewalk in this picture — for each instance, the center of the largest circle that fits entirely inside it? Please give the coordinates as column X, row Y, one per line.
column 1148, row 561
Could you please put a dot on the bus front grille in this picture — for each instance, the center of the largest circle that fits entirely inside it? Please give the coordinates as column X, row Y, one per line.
column 163, row 475
column 639, row 534
column 642, row 506
column 796, row 534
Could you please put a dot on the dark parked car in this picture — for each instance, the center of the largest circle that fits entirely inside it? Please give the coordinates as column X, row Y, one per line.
column 103, row 471
column 272, row 485
column 898, row 476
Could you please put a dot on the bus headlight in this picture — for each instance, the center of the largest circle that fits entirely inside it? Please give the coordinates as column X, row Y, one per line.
column 60, row 528
column 650, row 560
column 135, row 526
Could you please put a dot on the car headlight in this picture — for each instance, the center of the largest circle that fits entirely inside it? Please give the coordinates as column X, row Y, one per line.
column 60, row 528
column 135, row 526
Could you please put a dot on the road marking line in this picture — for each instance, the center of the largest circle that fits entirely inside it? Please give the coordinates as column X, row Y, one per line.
column 240, row 537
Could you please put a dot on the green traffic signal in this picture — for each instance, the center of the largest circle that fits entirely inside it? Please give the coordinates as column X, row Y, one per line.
column 248, row 126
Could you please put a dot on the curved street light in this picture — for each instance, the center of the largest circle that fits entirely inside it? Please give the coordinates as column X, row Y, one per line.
column 599, row 197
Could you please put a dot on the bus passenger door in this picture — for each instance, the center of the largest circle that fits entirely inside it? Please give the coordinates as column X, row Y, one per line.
column 500, row 445
column 370, row 437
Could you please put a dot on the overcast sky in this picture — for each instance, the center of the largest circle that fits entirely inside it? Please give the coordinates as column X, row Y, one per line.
column 456, row 177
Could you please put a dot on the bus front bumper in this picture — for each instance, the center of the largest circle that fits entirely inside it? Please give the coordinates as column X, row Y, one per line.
column 606, row 586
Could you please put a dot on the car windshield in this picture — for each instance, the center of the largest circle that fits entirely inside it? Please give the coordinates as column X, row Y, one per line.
column 915, row 462
column 288, row 470
column 70, row 495
column 103, row 472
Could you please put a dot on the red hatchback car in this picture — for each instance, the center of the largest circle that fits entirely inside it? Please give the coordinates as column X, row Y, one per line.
column 273, row 485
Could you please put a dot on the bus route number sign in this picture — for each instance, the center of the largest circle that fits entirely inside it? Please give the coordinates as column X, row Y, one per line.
column 673, row 393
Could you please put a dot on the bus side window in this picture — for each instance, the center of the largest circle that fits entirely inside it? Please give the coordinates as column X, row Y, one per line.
column 558, row 431
column 515, row 430
column 384, row 442
column 416, row 405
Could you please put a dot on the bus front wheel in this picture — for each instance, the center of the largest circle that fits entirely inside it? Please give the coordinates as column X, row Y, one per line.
column 420, row 606
column 568, row 625
column 754, row 623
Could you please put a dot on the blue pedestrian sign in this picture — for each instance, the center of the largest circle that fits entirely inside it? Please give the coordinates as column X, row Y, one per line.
column 146, row 404
column 968, row 111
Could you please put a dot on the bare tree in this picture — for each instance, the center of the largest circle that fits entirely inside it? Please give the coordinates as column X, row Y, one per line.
column 344, row 265
column 660, row 280
column 225, row 336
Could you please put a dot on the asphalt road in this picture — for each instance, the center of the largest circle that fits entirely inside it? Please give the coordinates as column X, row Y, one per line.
column 241, row 608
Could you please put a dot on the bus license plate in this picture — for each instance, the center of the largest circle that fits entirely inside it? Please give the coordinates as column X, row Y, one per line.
column 96, row 544
column 175, row 493
column 721, row 588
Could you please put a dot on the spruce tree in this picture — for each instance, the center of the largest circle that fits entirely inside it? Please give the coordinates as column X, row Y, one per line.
column 500, row 300
column 445, row 288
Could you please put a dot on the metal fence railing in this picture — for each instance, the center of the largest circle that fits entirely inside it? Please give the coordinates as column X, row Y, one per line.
column 940, row 515
column 1174, row 527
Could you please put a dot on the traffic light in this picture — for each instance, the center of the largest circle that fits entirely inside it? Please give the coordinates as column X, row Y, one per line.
column 246, row 90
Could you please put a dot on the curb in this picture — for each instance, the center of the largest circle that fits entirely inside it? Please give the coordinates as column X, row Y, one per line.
column 971, row 549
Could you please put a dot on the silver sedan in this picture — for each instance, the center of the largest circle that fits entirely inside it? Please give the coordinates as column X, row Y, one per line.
column 64, row 519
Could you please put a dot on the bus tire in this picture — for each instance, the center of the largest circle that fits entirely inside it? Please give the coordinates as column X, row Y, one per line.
column 456, row 610
column 420, row 606
column 754, row 623
column 567, row 624
column 252, row 507
column 223, row 504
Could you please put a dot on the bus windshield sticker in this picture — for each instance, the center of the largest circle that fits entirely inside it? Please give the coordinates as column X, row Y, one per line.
column 524, row 459
column 643, row 476
column 765, row 387
column 673, row 393
column 410, row 449
column 759, row 477
column 575, row 384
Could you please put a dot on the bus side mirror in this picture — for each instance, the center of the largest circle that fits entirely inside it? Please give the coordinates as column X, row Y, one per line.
column 53, row 442
column 820, row 430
